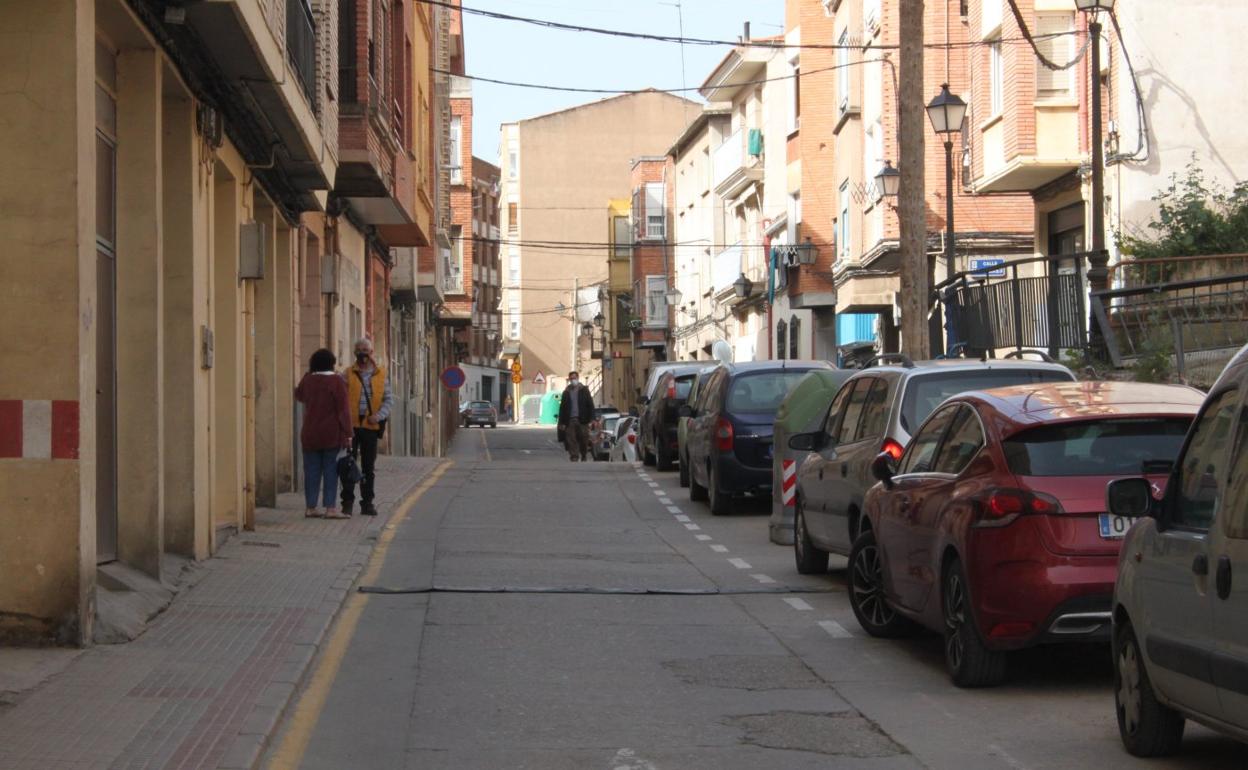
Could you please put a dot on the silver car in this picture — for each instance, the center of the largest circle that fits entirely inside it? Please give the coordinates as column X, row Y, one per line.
column 873, row 412
column 1180, row 610
column 624, row 445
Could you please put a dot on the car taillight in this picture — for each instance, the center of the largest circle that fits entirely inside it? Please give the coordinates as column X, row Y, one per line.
column 894, row 449
column 723, row 435
column 632, row 438
column 671, row 390
column 1002, row 506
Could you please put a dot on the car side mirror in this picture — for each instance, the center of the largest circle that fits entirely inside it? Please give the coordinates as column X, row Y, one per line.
column 1129, row 497
column 806, row 442
column 685, row 410
column 632, row 411
column 883, row 467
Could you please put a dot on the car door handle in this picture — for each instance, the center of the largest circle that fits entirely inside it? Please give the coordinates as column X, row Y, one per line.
column 1200, row 565
column 1223, row 577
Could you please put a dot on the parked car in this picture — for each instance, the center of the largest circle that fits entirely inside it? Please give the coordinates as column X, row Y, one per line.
column 657, row 370
column 1180, row 612
column 993, row 530
column 730, row 433
column 624, row 444
column 480, row 413
column 875, row 411
column 682, row 424
column 658, row 429
column 804, row 409
column 605, row 420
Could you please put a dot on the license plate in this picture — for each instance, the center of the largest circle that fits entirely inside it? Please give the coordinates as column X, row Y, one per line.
column 1115, row 527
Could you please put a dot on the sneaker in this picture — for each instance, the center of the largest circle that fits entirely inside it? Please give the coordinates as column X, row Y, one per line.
column 334, row 513
column 367, row 509
column 311, row 513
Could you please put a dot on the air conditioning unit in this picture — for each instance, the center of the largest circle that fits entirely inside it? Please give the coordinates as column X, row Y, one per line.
column 252, row 242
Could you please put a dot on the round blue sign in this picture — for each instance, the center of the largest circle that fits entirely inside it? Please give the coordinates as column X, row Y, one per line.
column 453, row 378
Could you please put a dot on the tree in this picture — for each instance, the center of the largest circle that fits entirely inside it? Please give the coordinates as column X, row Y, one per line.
column 1193, row 219
column 912, row 213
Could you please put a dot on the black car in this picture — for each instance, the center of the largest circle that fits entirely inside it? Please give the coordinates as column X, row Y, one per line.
column 661, row 417
column 731, row 425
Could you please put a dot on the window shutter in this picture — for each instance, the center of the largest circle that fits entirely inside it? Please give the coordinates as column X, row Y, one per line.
column 1053, row 83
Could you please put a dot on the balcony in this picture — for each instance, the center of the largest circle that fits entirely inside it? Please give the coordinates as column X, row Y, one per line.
column 726, row 268
column 734, row 168
column 301, row 45
column 1056, row 142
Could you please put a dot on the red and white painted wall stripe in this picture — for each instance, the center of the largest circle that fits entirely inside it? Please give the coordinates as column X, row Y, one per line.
column 38, row 430
column 788, row 481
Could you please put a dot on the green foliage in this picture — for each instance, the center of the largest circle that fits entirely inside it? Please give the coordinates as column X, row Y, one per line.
column 1085, row 366
column 1193, row 218
column 1156, row 352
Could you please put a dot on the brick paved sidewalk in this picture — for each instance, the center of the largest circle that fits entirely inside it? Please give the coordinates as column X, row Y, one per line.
column 206, row 684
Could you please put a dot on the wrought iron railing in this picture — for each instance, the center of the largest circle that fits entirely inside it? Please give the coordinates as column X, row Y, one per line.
column 301, row 45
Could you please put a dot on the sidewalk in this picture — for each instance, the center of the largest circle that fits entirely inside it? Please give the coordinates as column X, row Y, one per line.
column 206, row 684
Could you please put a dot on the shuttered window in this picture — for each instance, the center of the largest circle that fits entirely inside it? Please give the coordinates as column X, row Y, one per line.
column 1053, row 40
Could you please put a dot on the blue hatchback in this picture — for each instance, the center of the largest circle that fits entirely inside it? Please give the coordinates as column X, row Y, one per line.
column 731, row 427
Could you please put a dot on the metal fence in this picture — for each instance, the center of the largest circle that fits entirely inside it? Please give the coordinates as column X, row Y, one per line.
column 301, row 45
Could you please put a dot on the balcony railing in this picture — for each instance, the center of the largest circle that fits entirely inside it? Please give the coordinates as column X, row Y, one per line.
column 727, row 267
column 301, row 45
column 729, row 157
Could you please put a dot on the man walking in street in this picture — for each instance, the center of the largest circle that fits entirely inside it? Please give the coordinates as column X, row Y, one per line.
column 576, row 411
column 370, row 398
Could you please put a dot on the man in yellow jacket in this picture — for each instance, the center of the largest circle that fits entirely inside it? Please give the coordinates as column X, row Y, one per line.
column 370, row 398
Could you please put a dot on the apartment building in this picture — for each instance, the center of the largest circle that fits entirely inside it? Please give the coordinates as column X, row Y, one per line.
column 619, row 379
column 849, row 94
column 558, row 172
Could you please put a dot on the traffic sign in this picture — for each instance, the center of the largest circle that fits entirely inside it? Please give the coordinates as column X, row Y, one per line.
column 516, row 370
column 540, row 379
column 516, row 379
column 453, row 378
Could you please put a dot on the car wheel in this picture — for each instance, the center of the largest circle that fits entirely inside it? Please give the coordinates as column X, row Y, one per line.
column 697, row 492
column 866, row 592
column 684, row 471
column 493, row 425
column 647, row 457
column 721, row 502
column 1148, row 728
column 970, row 663
column 809, row 558
column 663, row 459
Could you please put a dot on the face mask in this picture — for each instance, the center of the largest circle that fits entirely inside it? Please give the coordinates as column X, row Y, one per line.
column 574, row 382
column 361, row 357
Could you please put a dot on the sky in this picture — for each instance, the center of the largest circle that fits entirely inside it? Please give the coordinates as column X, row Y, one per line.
column 510, row 50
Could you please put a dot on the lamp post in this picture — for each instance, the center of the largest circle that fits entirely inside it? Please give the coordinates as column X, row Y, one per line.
column 742, row 287
column 947, row 113
column 888, row 181
column 1098, row 259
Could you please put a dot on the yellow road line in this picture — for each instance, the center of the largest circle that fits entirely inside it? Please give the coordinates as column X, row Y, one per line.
column 307, row 710
column 486, row 446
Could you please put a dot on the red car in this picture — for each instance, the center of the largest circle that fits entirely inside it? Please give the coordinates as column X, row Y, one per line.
column 992, row 529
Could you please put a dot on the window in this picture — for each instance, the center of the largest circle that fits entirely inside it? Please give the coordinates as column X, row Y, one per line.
column 920, row 456
column 622, row 237
column 875, row 411
column 842, row 224
column 991, row 23
column 795, row 336
column 655, row 211
column 925, row 392
column 1096, row 448
column 457, row 138
column 347, row 90
column 782, row 338
column 996, row 78
column 842, row 73
column 455, row 276
column 833, row 421
column 656, row 300
column 513, row 218
column 623, row 312
column 513, row 264
column 763, row 391
column 513, row 317
column 1053, row 40
column 513, row 164
column 965, row 439
column 848, row 430
column 355, row 322
column 795, row 107
column 1202, row 472
column 1237, row 520
column 870, row 162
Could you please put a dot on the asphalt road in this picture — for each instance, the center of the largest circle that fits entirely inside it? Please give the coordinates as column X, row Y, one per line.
column 534, row 650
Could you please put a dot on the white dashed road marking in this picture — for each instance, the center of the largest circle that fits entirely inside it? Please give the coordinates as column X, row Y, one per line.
column 703, row 538
column 674, row 508
column 719, row 548
column 659, row 492
column 665, row 500
column 835, row 630
column 739, row 563
column 654, row 483
column 682, row 517
column 764, row 579
column 692, row 527
column 801, row 605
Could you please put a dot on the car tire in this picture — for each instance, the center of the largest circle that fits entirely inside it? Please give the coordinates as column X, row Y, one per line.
column 720, row 501
column 662, row 459
column 866, row 592
column 1148, row 727
column 684, row 471
column 809, row 558
column 697, row 492
column 494, row 425
column 969, row 661
column 647, row 457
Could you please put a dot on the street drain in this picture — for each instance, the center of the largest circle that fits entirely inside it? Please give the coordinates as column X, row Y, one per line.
column 845, row 734
column 746, row 672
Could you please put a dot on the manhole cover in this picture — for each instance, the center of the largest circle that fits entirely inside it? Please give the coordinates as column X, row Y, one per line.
column 840, row 734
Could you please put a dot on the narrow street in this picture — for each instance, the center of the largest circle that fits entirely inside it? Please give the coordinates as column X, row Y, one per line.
column 502, row 624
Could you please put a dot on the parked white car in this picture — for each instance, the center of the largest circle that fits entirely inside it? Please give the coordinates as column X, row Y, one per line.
column 1181, row 601
column 624, row 446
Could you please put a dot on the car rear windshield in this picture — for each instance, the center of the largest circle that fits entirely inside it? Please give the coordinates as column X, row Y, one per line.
column 481, row 405
column 762, row 392
column 1098, row 448
column 925, row 392
column 683, row 385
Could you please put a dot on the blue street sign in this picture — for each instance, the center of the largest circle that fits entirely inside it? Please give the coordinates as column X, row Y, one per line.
column 977, row 264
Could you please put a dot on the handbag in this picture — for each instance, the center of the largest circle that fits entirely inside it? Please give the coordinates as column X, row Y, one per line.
column 381, row 424
column 349, row 473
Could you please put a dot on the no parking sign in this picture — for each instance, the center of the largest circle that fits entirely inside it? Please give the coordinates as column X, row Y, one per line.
column 453, row 378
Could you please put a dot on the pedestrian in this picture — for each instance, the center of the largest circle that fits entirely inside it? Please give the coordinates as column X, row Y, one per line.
column 326, row 431
column 370, row 398
column 576, row 411
column 507, row 409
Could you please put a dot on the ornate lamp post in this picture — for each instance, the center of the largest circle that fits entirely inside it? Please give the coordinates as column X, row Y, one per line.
column 1098, row 259
column 946, row 113
column 888, row 181
column 742, row 287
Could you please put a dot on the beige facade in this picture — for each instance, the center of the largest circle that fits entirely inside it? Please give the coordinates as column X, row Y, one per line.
column 567, row 166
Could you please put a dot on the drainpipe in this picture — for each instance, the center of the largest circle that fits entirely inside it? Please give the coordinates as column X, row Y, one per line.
column 771, row 329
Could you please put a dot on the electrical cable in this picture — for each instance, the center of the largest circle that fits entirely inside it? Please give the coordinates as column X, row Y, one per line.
column 1046, row 61
column 1143, row 143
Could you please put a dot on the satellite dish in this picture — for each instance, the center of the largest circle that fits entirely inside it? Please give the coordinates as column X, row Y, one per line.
column 721, row 351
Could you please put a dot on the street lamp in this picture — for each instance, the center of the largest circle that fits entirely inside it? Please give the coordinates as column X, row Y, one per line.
column 673, row 296
column 1098, row 260
column 742, row 287
column 599, row 319
column 888, row 181
column 947, row 113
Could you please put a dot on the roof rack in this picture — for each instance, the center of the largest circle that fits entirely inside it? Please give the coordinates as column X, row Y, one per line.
column 1045, row 357
column 885, row 357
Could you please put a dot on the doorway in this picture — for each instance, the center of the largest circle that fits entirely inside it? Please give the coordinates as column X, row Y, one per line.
column 105, row 303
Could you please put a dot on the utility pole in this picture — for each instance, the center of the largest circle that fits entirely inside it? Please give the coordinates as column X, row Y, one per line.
column 576, row 329
column 915, row 286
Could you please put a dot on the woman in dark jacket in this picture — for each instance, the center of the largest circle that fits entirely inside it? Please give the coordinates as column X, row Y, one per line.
column 326, row 431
